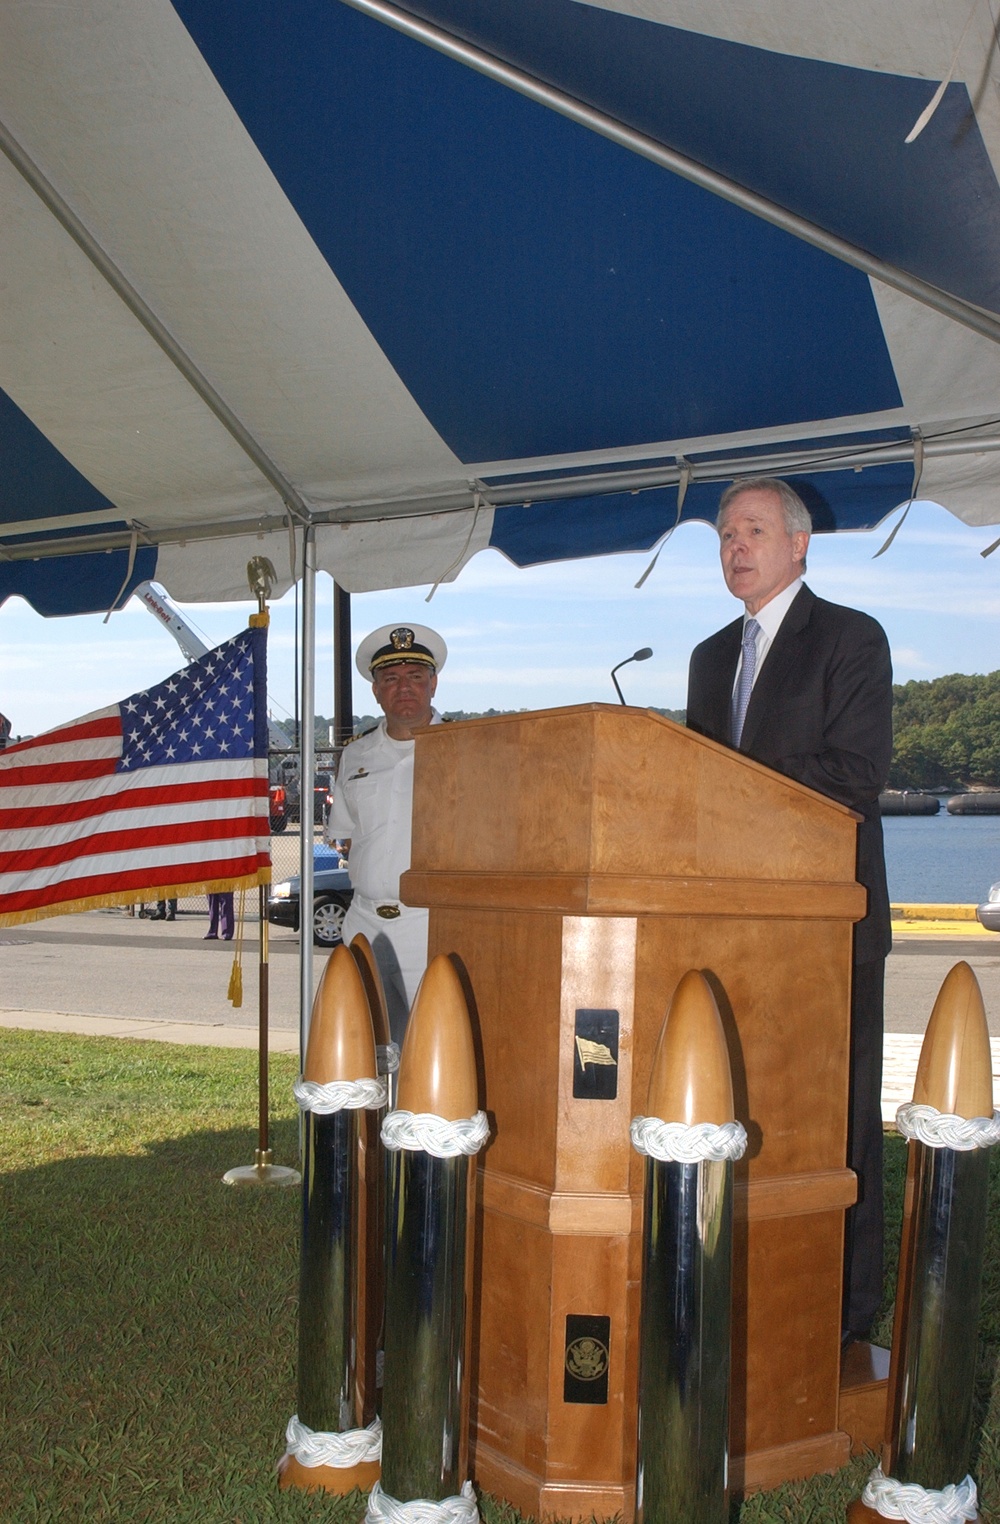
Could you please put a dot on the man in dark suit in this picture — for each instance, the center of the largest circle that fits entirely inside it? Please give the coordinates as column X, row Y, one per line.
column 805, row 687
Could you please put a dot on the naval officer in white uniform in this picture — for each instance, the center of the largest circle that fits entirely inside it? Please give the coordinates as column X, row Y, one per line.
column 373, row 804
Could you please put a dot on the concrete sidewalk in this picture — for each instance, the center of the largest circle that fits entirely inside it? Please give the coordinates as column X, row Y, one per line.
column 900, row 1054
column 200, row 1033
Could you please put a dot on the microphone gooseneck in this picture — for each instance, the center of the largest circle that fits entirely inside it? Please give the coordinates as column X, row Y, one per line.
column 641, row 655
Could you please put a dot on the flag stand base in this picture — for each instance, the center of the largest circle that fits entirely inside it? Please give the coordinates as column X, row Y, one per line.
column 262, row 1172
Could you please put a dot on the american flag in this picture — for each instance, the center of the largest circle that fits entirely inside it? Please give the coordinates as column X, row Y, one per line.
column 163, row 794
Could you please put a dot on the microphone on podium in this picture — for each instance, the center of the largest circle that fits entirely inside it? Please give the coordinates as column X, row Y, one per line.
column 642, row 655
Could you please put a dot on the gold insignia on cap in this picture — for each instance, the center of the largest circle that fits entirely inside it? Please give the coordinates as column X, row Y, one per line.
column 405, row 643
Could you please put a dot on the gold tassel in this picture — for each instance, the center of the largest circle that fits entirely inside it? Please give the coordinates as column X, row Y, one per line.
column 235, row 991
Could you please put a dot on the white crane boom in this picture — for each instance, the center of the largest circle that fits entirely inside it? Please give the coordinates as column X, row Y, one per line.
column 159, row 605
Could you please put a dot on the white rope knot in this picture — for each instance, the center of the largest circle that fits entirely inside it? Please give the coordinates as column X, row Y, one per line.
column 423, row 1132
column 920, row 1505
column 676, row 1143
column 940, row 1129
column 340, row 1095
column 383, row 1509
column 313, row 1448
column 387, row 1057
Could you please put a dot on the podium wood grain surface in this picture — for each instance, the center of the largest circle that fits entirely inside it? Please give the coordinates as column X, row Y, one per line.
column 578, row 862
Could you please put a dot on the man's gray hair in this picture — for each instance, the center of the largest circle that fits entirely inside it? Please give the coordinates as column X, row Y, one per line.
column 795, row 512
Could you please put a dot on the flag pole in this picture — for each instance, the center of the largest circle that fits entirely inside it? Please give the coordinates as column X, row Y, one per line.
column 261, row 577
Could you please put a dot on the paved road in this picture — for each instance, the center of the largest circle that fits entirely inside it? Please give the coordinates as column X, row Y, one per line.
column 915, row 971
column 109, row 963
column 105, row 963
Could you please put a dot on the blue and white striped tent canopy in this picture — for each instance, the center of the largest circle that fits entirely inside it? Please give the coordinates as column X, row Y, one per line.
column 535, row 274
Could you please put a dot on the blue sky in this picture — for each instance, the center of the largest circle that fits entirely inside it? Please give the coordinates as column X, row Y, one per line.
column 542, row 637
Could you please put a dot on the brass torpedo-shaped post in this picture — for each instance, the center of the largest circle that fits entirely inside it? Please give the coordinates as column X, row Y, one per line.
column 333, row 1398
column 683, row 1460
column 939, row 1282
column 425, row 1401
column 955, row 1072
column 364, row 957
column 437, row 1067
column 691, row 1080
column 341, row 1036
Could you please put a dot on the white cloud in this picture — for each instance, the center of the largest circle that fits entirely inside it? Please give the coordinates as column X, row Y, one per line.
column 912, row 662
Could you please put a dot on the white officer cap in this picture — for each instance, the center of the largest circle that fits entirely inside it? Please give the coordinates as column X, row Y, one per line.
column 403, row 642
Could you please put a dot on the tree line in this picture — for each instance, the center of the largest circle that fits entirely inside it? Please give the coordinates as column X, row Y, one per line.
column 947, row 732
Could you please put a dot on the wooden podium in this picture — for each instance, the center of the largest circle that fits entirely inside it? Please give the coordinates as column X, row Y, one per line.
column 578, row 861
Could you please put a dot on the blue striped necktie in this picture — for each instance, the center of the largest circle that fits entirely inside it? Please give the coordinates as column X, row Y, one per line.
column 741, row 697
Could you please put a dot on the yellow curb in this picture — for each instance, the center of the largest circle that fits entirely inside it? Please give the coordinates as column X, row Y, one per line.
column 933, row 912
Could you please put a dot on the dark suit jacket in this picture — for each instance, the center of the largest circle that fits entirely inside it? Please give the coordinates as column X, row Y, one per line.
column 820, row 712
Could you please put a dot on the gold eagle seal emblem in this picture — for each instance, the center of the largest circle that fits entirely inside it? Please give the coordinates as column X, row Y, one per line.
column 586, row 1359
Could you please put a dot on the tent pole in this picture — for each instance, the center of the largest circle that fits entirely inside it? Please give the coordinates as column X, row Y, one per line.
column 307, row 774
column 343, row 688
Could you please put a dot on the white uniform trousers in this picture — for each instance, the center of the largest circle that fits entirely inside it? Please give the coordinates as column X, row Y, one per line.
column 400, row 948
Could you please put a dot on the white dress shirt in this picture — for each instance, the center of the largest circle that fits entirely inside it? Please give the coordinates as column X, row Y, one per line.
column 769, row 619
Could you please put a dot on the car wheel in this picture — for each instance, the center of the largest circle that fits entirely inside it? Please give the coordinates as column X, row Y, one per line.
column 328, row 920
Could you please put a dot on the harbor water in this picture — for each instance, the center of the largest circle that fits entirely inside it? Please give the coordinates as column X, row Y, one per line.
column 946, row 859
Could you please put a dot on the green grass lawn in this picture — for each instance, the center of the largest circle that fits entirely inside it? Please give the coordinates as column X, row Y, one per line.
column 148, row 1314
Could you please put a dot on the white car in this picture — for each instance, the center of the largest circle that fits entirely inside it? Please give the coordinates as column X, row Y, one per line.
column 989, row 912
